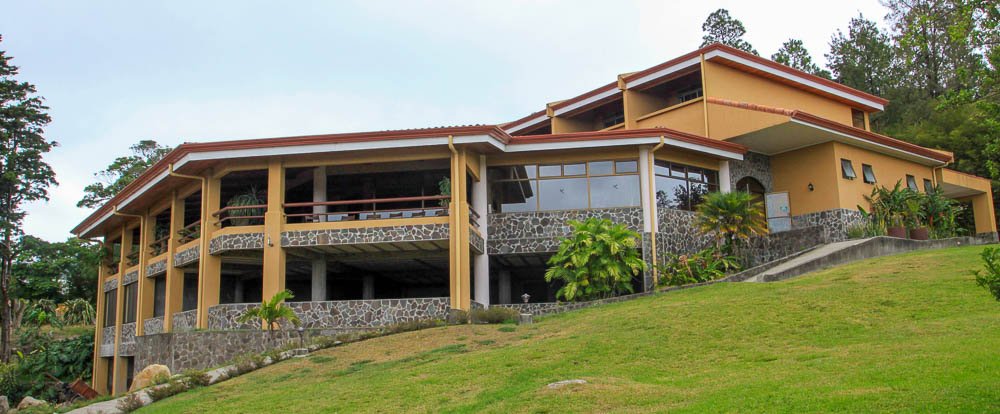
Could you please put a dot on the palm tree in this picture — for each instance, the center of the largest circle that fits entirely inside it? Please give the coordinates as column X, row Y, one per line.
column 272, row 311
column 731, row 217
column 598, row 260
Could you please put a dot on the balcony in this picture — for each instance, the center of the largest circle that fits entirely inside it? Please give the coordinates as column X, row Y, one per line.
column 367, row 209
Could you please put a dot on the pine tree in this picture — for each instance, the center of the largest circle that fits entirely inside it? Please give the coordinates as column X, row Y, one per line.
column 794, row 54
column 121, row 172
column 720, row 27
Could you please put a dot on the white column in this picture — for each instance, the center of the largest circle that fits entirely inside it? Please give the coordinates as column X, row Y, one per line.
column 368, row 287
column 319, row 280
column 481, row 262
column 319, row 194
column 503, row 286
column 648, row 209
column 725, row 184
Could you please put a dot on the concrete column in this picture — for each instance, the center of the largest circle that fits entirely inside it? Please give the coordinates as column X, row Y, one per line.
column 319, row 280
column 319, row 194
column 174, row 295
column 458, row 251
column 503, row 286
column 209, row 265
column 647, row 192
column 368, row 287
column 725, row 183
column 274, row 221
column 481, row 262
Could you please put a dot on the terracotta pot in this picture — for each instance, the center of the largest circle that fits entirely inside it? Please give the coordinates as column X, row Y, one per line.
column 899, row 232
column 919, row 233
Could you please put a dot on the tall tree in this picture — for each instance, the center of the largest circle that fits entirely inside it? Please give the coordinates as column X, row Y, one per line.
column 59, row 271
column 720, row 27
column 24, row 176
column 863, row 59
column 121, row 172
column 794, row 54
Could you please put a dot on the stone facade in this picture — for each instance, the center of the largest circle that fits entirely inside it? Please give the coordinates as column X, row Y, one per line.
column 110, row 285
column 156, row 268
column 477, row 242
column 365, row 235
column 107, row 341
column 546, row 308
column 153, row 326
column 187, row 256
column 834, row 223
column 240, row 241
column 778, row 245
column 185, row 321
column 339, row 314
column 677, row 233
column 126, row 346
column 540, row 231
column 753, row 165
column 130, row 277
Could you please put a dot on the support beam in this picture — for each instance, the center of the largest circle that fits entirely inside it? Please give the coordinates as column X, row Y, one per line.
column 319, row 192
column 319, row 279
column 725, row 181
column 174, row 289
column 274, row 221
column 459, row 253
column 117, row 380
column 144, row 307
column 481, row 262
column 209, row 266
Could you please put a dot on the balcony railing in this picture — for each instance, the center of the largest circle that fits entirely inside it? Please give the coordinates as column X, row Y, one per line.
column 132, row 259
column 370, row 209
column 112, row 268
column 474, row 218
column 190, row 232
column 159, row 246
column 240, row 215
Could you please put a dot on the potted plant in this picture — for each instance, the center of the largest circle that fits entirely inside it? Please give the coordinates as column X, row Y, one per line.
column 915, row 218
column 890, row 206
column 897, row 226
column 252, row 197
column 444, row 186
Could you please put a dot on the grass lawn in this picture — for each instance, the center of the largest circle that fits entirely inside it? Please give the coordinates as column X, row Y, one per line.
column 903, row 333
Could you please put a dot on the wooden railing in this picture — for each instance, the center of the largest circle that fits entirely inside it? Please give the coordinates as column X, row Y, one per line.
column 112, row 268
column 369, row 209
column 240, row 215
column 474, row 218
column 189, row 232
column 159, row 246
column 132, row 259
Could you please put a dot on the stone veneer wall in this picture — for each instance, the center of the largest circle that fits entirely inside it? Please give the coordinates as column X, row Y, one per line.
column 156, row 268
column 107, row 341
column 239, row 241
column 753, row 165
column 540, row 231
column 354, row 314
column 677, row 233
column 153, row 326
column 185, row 321
column 126, row 346
column 477, row 242
column 187, row 256
column 834, row 223
column 130, row 277
column 365, row 235
column 545, row 308
column 110, row 285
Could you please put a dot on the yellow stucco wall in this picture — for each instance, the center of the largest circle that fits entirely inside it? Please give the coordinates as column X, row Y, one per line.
column 793, row 172
column 887, row 170
column 686, row 117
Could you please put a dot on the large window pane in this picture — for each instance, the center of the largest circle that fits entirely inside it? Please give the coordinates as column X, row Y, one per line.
column 563, row 194
column 614, row 191
column 550, row 170
column 671, row 192
column 602, row 168
column 512, row 196
column 575, row 169
column 698, row 193
column 624, row 167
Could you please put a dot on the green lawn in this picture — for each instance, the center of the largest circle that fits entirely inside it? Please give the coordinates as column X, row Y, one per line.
column 902, row 333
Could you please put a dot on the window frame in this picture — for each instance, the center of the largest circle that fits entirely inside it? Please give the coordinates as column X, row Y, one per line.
column 537, row 179
column 867, row 169
column 706, row 173
column 110, row 307
column 856, row 116
column 130, row 305
column 928, row 185
column 845, row 166
column 910, row 179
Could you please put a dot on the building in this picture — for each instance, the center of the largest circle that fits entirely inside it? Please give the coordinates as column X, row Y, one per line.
column 380, row 227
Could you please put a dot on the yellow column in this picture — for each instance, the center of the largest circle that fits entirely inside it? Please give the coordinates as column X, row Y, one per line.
column 458, row 252
column 174, row 295
column 274, row 221
column 982, row 211
column 210, row 266
column 100, row 368
column 118, row 380
column 144, row 299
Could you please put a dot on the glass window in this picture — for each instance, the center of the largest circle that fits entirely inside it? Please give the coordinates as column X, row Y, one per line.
column 847, row 169
column 159, row 296
column 110, row 307
column 858, row 119
column 602, row 168
column 670, row 191
column 624, row 167
column 928, row 186
column 575, row 169
column 131, row 295
column 911, row 182
column 513, row 196
column 550, row 171
column 563, row 194
column 683, row 187
column 869, row 174
column 614, row 191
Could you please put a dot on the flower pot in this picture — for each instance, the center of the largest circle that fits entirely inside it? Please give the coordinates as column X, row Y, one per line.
column 919, row 233
column 899, row 232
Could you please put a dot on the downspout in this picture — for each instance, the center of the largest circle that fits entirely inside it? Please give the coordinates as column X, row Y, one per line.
column 203, row 244
column 652, row 205
column 453, row 217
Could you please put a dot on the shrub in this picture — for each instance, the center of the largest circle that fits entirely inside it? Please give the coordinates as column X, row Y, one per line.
column 78, row 312
column 161, row 378
column 730, row 218
column 130, row 403
column 169, row 389
column 65, row 359
column 494, row 315
column 196, row 378
column 458, row 317
column 247, row 362
column 598, row 260
column 272, row 311
column 989, row 278
column 705, row 265
column 8, row 380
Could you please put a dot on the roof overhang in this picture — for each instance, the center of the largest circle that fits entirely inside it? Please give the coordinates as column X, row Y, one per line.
column 651, row 136
column 956, row 184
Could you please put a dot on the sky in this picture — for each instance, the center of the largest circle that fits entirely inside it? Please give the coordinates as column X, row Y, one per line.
column 116, row 72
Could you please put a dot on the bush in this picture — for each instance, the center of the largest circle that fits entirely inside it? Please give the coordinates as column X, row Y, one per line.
column 731, row 218
column 196, row 378
column 8, row 380
column 990, row 278
column 705, row 265
column 248, row 362
column 78, row 312
column 130, row 403
column 170, row 389
column 494, row 315
column 598, row 260
column 65, row 359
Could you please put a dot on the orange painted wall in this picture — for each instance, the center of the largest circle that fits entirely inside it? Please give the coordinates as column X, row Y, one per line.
column 887, row 170
column 793, row 172
column 688, row 117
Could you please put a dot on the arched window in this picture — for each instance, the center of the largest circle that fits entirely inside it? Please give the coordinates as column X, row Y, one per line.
column 752, row 186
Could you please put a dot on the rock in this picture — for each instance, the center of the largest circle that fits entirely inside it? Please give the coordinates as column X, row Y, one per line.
column 147, row 375
column 524, row 319
column 560, row 384
column 4, row 404
column 27, row 401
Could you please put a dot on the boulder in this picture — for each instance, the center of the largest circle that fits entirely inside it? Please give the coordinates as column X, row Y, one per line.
column 147, row 375
column 27, row 401
column 4, row 404
column 560, row 384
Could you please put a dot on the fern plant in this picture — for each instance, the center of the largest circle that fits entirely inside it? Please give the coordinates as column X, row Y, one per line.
column 598, row 260
column 731, row 217
column 271, row 312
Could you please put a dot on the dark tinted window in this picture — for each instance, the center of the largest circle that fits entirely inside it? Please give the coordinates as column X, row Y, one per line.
column 683, row 187
column 847, row 169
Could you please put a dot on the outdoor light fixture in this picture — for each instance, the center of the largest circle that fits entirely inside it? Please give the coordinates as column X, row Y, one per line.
column 811, row 187
column 525, row 297
column 301, row 330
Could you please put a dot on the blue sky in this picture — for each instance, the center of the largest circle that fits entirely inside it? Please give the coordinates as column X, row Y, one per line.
column 117, row 72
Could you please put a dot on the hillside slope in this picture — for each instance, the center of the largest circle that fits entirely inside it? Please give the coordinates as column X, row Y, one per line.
column 901, row 333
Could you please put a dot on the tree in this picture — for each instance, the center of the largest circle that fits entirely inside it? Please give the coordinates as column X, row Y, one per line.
column 720, row 27
column 24, row 176
column 863, row 59
column 121, row 172
column 794, row 54
column 60, row 271
column 598, row 260
column 272, row 311
column 730, row 218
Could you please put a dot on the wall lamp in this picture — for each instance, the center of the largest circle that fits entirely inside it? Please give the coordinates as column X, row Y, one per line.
column 811, row 187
